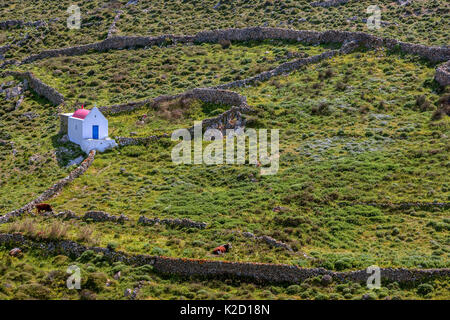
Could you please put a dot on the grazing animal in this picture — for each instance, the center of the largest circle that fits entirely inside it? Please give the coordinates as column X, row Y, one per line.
column 45, row 207
column 222, row 249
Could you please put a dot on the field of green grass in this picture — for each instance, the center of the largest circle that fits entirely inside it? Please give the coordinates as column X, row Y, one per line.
column 103, row 78
column 356, row 135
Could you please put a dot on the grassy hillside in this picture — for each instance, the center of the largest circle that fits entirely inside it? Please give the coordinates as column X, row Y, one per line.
column 359, row 136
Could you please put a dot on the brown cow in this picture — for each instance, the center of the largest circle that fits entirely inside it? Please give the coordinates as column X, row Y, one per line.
column 222, row 249
column 45, row 207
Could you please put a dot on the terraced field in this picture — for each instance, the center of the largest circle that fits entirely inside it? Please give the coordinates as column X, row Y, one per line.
column 364, row 153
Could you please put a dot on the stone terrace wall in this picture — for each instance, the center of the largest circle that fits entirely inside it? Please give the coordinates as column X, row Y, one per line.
column 128, row 141
column 443, row 74
column 184, row 222
column 434, row 53
column 14, row 23
column 258, row 272
column 112, row 43
column 211, row 95
column 281, row 69
column 329, row 3
column 38, row 86
column 50, row 192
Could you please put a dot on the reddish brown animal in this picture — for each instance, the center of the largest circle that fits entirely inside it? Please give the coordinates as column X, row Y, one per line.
column 43, row 207
column 222, row 249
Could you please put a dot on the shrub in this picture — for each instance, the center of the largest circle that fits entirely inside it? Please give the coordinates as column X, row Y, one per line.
column 26, row 226
column 293, row 289
column 85, row 234
column 423, row 104
column 424, row 289
column 57, row 230
column 86, row 256
column 342, row 264
column 35, row 290
column 443, row 108
column 225, row 43
column 95, row 281
column 322, row 109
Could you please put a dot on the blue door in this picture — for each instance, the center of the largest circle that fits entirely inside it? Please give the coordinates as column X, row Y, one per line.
column 94, row 132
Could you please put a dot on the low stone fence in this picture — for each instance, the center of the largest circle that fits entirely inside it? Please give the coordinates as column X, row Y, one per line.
column 38, row 86
column 186, row 223
column 112, row 28
column 432, row 53
column 50, row 192
column 112, row 43
column 281, row 69
column 251, row 271
column 128, row 141
column 210, row 95
column 19, row 23
column 101, row 216
column 400, row 205
column 329, row 3
column 8, row 62
column 269, row 240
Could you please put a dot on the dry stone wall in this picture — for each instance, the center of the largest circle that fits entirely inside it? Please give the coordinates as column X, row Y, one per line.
column 20, row 23
column 50, row 192
column 257, row 272
column 112, row 28
column 112, row 43
column 38, row 86
column 210, row 95
column 186, row 223
column 128, row 141
column 329, row 3
column 281, row 69
column 400, row 205
column 433, row 53
column 101, row 216
column 269, row 240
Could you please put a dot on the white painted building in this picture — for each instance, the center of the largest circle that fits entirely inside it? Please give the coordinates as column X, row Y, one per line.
column 87, row 128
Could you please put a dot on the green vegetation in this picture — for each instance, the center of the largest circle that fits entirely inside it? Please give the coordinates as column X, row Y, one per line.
column 41, row 277
column 357, row 132
column 104, row 79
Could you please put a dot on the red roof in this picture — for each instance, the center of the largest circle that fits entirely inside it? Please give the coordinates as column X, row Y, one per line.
column 80, row 113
